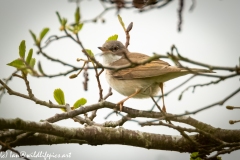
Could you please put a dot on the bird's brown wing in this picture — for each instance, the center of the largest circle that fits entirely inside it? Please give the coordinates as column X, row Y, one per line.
column 152, row 69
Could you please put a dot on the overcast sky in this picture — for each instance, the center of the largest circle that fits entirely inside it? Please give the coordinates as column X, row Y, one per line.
column 210, row 34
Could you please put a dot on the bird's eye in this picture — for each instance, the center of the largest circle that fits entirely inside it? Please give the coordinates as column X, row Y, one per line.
column 115, row 48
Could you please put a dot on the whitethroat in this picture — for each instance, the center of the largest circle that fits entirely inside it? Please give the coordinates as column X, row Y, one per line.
column 142, row 81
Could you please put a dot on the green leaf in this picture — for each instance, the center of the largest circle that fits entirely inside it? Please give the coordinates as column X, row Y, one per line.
column 89, row 52
column 40, row 68
column 70, row 28
column 77, row 16
column 198, row 158
column 80, row 26
column 29, row 57
column 17, row 63
column 112, row 38
column 33, row 36
column 59, row 17
column 77, row 28
column 194, row 156
column 59, row 96
column 22, row 49
column 121, row 22
column 64, row 21
column 43, row 33
column 32, row 62
column 26, row 71
column 79, row 103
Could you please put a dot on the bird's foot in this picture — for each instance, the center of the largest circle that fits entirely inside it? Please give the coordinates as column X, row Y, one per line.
column 164, row 109
column 120, row 104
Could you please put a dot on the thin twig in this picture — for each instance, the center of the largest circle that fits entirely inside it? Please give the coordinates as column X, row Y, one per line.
column 205, row 84
column 109, row 93
column 2, row 88
column 221, row 102
column 56, row 60
column 180, row 12
column 52, row 39
column 33, row 98
column 211, row 67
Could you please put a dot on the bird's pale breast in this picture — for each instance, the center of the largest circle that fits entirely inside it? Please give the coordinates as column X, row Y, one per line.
column 128, row 87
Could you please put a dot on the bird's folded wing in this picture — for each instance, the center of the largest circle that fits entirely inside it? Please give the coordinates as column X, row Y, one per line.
column 152, row 69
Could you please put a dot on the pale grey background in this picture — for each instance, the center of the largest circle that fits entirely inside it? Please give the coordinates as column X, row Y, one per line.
column 210, row 35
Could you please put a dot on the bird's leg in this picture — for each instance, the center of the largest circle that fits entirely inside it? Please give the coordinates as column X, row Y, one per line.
column 122, row 101
column 163, row 108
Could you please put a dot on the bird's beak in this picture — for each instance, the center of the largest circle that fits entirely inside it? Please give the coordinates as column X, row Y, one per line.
column 103, row 49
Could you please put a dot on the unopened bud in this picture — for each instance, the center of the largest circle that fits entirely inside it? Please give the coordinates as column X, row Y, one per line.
column 230, row 107
column 73, row 76
column 231, row 122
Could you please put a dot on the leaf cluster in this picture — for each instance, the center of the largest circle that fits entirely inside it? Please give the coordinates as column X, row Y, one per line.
column 25, row 64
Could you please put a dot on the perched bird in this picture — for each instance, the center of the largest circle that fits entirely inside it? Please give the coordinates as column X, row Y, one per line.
column 142, row 81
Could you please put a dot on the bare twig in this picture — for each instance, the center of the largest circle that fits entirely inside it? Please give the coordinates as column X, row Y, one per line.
column 2, row 88
column 52, row 39
column 99, row 84
column 33, row 98
column 129, row 28
column 109, row 93
column 211, row 67
column 224, row 151
column 221, row 102
column 156, row 104
column 56, row 60
column 85, row 75
column 30, row 93
column 205, row 84
column 180, row 10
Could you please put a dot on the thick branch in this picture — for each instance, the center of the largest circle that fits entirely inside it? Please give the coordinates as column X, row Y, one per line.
column 101, row 135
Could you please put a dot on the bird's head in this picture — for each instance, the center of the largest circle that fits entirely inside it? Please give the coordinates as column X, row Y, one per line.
column 112, row 51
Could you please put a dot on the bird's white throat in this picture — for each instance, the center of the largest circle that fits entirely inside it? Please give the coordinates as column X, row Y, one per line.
column 109, row 58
